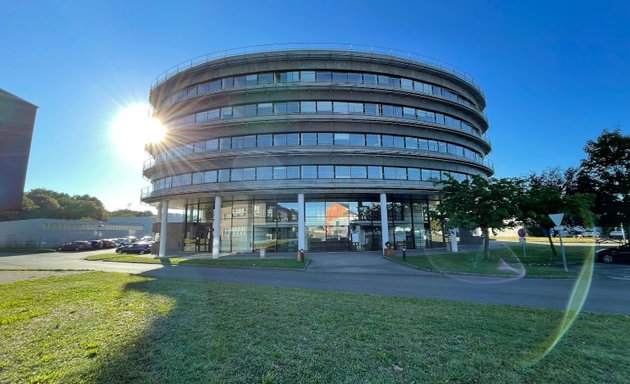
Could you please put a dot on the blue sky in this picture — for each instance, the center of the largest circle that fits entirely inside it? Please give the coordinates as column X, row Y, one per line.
column 555, row 74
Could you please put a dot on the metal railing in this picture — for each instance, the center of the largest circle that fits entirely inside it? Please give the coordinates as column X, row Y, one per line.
column 358, row 48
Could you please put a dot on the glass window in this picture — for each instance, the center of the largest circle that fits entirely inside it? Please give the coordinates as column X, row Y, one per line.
column 279, row 173
column 342, row 172
column 373, row 140
column 383, row 80
column 426, row 115
column 251, row 79
column 426, row 174
column 292, row 77
column 340, row 107
column 239, row 81
column 375, row 172
column 308, row 107
column 265, row 78
column 324, row 77
column 324, row 139
column 401, row 173
column 326, row 172
column 309, row 172
column 411, row 143
column 214, row 85
column 433, row 145
column 238, row 111
column 342, row 139
column 264, row 173
column 293, row 139
column 413, row 174
column 397, row 111
column 354, row 78
column 439, row 118
column 355, row 108
column 293, row 107
column 210, row 176
column 226, row 112
column 406, row 84
column 198, row 178
column 358, row 172
column 279, row 140
column 437, row 90
column 168, row 182
column 389, row 173
column 340, row 77
column 442, row 146
column 201, row 116
column 238, row 142
column 309, row 139
column 387, row 110
column 399, row 142
column 387, row 140
column 451, row 122
column 249, row 141
column 423, row 144
column 409, row 113
column 225, row 143
column 251, row 109
column 214, row 114
column 200, row 146
column 224, row 175
column 279, row 108
column 265, row 109
column 324, row 107
column 265, row 140
column 455, row 149
column 212, row 145
column 357, row 139
column 237, row 174
column 369, row 78
column 307, row 76
column 293, row 172
column 249, row 173
column 370, row 109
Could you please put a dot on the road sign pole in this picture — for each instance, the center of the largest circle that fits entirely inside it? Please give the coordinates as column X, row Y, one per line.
column 564, row 256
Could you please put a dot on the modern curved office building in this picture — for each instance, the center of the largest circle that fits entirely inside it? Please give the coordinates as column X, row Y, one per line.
column 314, row 149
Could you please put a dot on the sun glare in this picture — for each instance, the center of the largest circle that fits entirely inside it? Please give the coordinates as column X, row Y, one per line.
column 132, row 128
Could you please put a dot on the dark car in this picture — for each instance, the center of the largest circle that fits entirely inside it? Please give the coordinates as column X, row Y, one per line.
column 140, row 248
column 108, row 244
column 75, row 246
column 614, row 255
column 96, row 244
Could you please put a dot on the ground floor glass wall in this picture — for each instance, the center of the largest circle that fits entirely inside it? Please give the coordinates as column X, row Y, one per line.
column 331, row 224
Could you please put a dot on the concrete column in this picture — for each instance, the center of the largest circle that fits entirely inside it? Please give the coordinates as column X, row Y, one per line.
column 384, row 226
column 301, row 234
column 163, row 229
column 216, row 233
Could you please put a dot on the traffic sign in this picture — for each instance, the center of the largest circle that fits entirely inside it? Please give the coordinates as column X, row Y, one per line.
column 556, row 218
column 522, row 233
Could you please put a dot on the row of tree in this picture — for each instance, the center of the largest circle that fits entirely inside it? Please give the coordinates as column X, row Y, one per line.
column 44, row 203
column 596, row 192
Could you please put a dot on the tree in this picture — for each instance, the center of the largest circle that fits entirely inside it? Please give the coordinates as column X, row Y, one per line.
column 129, row 213
column 606, row 172
column 480, row 203
column 44, row 203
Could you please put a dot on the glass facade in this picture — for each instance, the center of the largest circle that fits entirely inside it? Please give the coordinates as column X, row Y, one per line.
column 339, row 224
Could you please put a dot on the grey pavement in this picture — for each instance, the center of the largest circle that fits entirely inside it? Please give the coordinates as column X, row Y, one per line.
column 368, row 272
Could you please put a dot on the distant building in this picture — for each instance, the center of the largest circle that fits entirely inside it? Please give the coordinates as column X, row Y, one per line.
column 17, row 119
column 48, row 233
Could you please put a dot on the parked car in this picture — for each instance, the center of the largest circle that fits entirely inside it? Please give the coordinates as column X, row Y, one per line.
column 616, row 233
column 96, row 244
column 614, row 255
column 75, row 246
column 588, row 233
column 108, row 243
column 140, row 247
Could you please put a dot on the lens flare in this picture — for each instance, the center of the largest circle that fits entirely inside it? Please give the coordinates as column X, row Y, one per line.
column 132, row 128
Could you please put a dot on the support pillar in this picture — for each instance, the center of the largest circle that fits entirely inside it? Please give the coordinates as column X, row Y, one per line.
column 301, row 234
column 163, row 229
column 384, row 226
column 216, row 231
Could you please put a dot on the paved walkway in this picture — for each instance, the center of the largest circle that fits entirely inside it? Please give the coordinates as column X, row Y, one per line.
column 365, row 272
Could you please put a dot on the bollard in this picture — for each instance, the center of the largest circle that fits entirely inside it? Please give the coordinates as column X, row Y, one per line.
column 262, row 253
column 300, row 256
column 404, row 249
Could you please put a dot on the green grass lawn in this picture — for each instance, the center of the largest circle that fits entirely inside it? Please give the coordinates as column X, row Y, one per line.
column 225, row 262
column 507, row 261
column 113, row 328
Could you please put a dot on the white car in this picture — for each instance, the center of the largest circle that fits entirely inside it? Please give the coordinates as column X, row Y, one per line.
column 616, row 233
column 589, row 233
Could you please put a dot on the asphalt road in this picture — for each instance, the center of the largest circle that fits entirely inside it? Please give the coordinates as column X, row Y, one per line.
column 370, row 273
